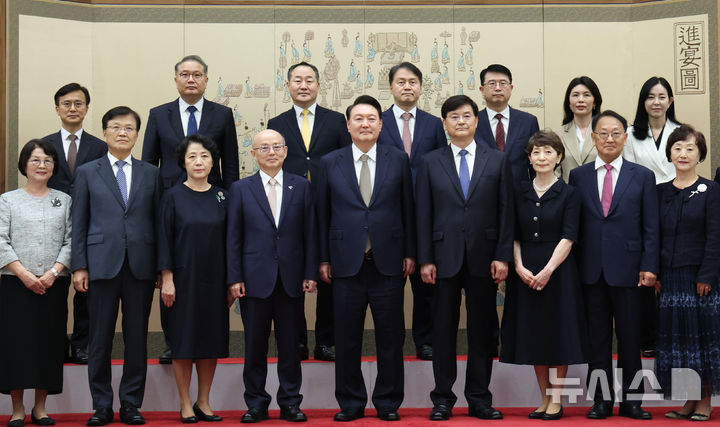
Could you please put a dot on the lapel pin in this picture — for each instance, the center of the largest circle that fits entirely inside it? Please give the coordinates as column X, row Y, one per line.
column 290, row 187
column 220, row 196
column 700, row 189
column 56, row 203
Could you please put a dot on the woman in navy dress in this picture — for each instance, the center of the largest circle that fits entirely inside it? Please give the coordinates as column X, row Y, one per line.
column 543, row 321
column 689, row 301
column 191, row 256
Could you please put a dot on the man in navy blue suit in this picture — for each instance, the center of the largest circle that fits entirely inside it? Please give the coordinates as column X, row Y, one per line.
column 116, row 205
column 310, row 132
column 367, row 249
column 502, row 127
column 272, row 260
column 416, row 132
column 618, row 250
column 75, row 147
column 191, row 113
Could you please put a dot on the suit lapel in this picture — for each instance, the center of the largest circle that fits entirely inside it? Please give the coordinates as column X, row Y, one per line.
column 174, row 119
column 381, row 165
column 317, row 126
column 137, row 180
column 287, row 194
column 478, row 167
column 484, row 129
column 207, row 117
column 447, row 163
column 258, row 190
column 588, row 145
column 392, row 129
column 420, row 125
column 572, row 146
column 106, row 174
column 292, row 125
column 58, row 145
column 627, row 170
column 83, row 150
column 511, row 130
column 347, row 169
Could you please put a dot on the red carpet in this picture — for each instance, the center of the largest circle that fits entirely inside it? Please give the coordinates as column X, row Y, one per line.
column 409, row 417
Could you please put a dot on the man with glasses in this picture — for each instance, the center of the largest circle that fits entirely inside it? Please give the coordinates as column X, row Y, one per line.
column 271, row 261
column 191, row 113
column 501, row 127
column 75, row 147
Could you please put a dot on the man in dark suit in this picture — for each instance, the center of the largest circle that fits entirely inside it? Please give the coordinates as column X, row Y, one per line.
column 75, row 147
column 618, row 251
column 367, row 249
column 272, row 260
column 310, row 132
column 191, row 113
column 465, row 235
column 502, row 127
column 116, row 204
column 416, row 132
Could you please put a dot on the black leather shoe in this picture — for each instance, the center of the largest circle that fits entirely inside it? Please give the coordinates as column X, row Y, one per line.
column 551, row 417
column 600, row 411
column 349, row 414
column 485, row 413
column 388, row 414
column 202, row 416
column 254, row 415
column 304, row 353
column 324, row 352
column 424, row 352
column 634, row 411
column 188, row 420
column 16, row 423
column 79, row 356
column 440, row 413
column 130, row 415
column 101, row 417
column 536, row 415
column 44, row 421
column 292, row 413
column 166, row 357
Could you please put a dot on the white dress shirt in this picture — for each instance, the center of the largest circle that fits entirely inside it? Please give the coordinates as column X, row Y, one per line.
column 469, row 157
column 127, row 168
column 581, row 137
column 398, row 112
column 185, row 114
column 372, row 153
column 601, row 171
column 265, row 178
column 64, row 134
column 493, row 121
column 311, row 116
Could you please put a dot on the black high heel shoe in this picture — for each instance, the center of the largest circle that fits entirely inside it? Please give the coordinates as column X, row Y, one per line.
column 192, row 419
column 202, row 416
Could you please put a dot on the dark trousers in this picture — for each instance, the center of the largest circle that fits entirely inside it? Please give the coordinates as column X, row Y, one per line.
column 324, row 334
column 423, row 311
column 351, row 297
column 258, row 314
column 482, row 333
column 81, row 322
column 104, row 296
column 603, row 303
column 649, row 325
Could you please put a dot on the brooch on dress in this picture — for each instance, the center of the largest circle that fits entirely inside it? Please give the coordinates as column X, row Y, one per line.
column 56, row 203
column 220, row 196
column 701, row 188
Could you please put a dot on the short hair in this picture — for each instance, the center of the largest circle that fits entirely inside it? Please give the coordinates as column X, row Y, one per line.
column 546, row 138
column 455, row 102
column 640, row 125
column 681, row 134
column 586, row 81
column 408, row 66
column 27, row 150
column 120, row 111
column 205, row 141
column 303, row 64
column 364, row 99
column 192, row 58
column 72, row 87
column 495, row 68
column 609, row 113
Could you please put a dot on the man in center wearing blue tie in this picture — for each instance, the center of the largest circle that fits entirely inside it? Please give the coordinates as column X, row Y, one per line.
column 465, row 223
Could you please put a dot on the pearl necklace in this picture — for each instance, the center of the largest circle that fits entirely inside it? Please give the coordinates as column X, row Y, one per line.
column 543, row 189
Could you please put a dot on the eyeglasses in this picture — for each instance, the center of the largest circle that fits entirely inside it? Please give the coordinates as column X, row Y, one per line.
column 67, row 104
column 117, row 129
column 604, row 135
column 502, row 83
column 195, row 76
column 266, row 148
column 37, row 162
column 454, row 118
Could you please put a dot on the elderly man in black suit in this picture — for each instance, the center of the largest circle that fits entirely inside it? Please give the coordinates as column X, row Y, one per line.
column 74, row 147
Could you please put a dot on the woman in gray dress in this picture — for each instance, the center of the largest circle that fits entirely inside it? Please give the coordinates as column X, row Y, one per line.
column 34, row 256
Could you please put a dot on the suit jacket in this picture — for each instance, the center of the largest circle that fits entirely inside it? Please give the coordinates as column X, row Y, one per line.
column 164, row 132
column 90, row 148
column 257, row 250
column 522, row 126
column 625, row 242
column 429, row 134
column 644, row 152
column 573, row 156
column 450, row 228
column 104, row 231
column 344, row 220
column 329, row 133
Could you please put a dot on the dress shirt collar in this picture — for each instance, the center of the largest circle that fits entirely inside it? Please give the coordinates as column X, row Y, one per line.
column 299, row 110
column 372, row 153
column 398, row 112
column 184, row 105
column 64, row 133
column 491, row 113
column 265, row 177
column 114, row 159
column 616, row 164
column 470, row 148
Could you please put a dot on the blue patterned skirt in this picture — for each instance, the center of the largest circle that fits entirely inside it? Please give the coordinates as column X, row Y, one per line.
column 688, row 330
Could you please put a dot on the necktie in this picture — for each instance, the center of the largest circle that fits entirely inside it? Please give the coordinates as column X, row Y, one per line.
column 305, row 129
column 500, row 133
column 407, row 140
column 72, row 153
column 607, row 190
column 192, row 123
column 365, row 189
column 272, row 197
column 122, row 181
column 464, row 173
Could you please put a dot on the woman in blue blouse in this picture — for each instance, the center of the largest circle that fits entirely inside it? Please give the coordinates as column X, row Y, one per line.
column 689, row 302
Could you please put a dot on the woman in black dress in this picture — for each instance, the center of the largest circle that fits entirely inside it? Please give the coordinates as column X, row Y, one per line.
column 543, row 322
column 191, row 256
column 689, row 301
column 34, row 259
